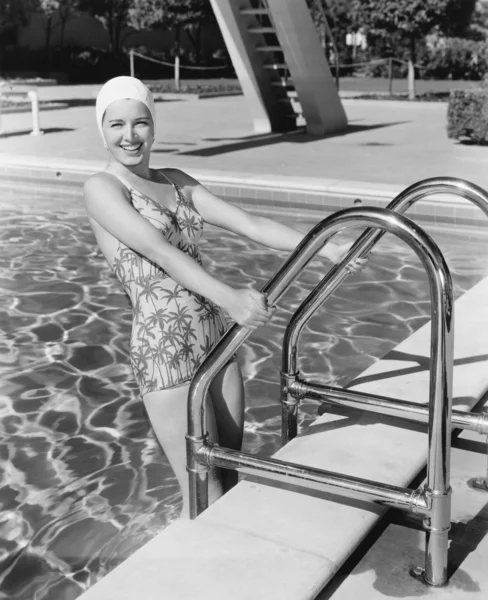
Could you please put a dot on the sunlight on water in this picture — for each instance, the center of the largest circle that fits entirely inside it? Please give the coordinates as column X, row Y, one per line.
column 83, row 481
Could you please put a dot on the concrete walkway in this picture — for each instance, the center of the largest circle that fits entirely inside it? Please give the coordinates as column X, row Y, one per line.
column 391, row 142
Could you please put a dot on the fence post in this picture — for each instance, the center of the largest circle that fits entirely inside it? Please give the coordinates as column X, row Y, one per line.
column 35, row 113
column 131, row 60
column 390, row 76
column 177, row 73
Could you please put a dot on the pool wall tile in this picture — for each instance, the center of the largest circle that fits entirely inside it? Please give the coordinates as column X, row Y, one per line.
column 299, row 197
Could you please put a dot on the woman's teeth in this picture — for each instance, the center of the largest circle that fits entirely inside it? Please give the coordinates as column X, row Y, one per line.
column 131, row 148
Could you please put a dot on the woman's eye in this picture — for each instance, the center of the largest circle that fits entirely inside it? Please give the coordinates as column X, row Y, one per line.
column 116, row 125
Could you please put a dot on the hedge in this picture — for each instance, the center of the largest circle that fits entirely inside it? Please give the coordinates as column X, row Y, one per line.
column 467, row 115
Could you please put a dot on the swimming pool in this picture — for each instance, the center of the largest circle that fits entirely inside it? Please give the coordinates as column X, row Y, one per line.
column 83, row 481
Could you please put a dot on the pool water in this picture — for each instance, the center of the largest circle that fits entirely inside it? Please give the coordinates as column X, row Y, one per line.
column 83, row 482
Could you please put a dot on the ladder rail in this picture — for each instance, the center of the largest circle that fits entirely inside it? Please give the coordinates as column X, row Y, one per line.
column 333, row 279
column 434, row 499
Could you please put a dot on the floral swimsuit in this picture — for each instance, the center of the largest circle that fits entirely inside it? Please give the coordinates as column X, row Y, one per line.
column 173, row 329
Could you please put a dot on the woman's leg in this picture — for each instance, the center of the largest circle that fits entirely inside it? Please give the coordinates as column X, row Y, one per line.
column 227, row 392
column 167, row 410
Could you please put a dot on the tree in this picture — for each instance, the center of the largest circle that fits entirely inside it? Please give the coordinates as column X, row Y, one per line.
column 410, row 20
column 188, row 16
column 339, row 19
column 458, row 17
column 144, row 14
column 14, row 13
column 113, row 15
column 66, row 9
column 48, row 8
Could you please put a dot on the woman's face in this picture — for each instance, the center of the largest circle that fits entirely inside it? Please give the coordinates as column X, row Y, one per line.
column 129, row 131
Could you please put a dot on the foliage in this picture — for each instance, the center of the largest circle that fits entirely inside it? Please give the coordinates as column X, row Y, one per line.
column 14, row 13
column 113, row 15
column 413, row 18
column 144, row 14
column 456, row 58
column 457, row 17
column 409, row 21
column 467, row 115
column 196, row 86
column 188, row 16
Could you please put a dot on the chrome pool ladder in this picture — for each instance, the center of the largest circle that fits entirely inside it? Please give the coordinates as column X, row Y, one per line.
column 433, row 500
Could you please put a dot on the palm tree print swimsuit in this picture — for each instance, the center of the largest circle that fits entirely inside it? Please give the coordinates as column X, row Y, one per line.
column 173, row 329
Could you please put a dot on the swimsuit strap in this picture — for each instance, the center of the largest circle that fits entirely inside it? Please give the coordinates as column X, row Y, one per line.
column 180, row 196
column 131, row 188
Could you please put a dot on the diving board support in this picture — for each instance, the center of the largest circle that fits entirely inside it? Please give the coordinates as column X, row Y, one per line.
column 281, row 65
column 308, row 66
column 434, row 499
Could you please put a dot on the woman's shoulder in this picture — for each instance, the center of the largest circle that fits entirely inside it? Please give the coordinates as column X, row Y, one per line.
column 103, row 181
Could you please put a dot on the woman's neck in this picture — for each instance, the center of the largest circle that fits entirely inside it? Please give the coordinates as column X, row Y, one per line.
column 141, row 170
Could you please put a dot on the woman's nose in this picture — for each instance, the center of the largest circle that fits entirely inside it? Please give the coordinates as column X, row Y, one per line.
column 129, row 133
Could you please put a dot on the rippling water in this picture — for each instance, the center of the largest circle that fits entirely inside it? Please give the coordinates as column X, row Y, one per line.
column 83, row 481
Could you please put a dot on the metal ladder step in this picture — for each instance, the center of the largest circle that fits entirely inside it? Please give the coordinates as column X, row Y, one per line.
column 276, row 66
column 282, row 84
column 269, row 48
column 255, row 11
column 262, row 30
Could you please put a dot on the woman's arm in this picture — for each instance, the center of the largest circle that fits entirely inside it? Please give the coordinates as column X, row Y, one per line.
column 263, row 230
column 108, row 203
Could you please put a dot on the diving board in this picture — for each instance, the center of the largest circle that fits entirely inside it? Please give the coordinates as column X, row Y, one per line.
column 264, row 539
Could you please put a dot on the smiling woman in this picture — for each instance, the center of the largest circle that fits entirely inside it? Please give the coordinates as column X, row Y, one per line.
column 148, row 224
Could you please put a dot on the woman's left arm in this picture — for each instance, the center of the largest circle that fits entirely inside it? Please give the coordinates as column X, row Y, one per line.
column 265, row 231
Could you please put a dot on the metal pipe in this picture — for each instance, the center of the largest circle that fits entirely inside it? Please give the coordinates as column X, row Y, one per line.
column 325, row 481
column 411, row 233
column 364, row 244
column 362, row 247
column 441, row 351
column 378, row 404
column 481, row 483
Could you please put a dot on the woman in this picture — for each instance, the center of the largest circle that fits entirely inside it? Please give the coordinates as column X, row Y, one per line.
column 148, row 223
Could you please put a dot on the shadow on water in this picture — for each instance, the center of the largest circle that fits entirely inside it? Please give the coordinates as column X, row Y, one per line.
column 423, row 365
column 297, row 137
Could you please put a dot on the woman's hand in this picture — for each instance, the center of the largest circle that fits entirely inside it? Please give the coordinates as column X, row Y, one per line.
column 249, row 308
column 336, row 252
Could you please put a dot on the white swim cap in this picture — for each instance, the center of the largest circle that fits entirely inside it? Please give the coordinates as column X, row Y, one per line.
column 120, row 88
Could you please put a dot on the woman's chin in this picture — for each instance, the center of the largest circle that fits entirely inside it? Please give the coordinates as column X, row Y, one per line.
column 128, row 160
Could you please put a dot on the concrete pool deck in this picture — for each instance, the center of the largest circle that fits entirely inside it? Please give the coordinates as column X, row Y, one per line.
column 386, row 143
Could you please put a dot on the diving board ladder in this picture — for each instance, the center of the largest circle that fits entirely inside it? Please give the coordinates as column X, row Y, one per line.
column 281, row 65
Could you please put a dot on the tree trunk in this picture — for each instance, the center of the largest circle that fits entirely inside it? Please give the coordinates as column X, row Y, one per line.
column 47, row 42
column 411, row 70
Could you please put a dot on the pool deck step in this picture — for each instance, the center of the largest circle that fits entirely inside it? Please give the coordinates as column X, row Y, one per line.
column 264, row 539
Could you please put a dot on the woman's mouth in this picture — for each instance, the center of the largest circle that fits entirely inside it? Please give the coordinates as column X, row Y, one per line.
column 131, row 148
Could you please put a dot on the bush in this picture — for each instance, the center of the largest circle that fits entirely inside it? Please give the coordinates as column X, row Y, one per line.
column 455, row 58
column 467, row 115
column 196, row 86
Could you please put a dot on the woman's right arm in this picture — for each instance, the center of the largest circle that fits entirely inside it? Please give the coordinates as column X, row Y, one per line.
column 109, row 205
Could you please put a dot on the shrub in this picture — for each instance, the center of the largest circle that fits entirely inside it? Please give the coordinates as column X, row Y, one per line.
column 455, row 58
column 467, row 115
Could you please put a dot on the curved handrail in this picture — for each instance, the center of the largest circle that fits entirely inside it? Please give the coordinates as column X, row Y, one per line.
column 363, row 245
column 201, row 455
column 411, row 233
